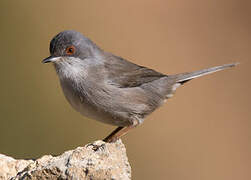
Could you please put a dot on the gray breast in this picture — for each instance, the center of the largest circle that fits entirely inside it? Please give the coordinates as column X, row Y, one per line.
column 98, row 104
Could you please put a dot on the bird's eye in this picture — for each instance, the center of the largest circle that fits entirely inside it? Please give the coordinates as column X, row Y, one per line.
column 70, row 50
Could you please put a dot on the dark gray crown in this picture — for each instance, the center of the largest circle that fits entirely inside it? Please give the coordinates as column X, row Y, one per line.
column 84, row 46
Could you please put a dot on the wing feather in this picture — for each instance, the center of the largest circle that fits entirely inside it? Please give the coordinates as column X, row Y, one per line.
column 126, row 74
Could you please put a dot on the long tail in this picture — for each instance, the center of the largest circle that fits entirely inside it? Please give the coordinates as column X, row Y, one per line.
column 184, row 77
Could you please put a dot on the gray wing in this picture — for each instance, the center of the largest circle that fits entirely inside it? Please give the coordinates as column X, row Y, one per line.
column 125, row 74
column 141, row 90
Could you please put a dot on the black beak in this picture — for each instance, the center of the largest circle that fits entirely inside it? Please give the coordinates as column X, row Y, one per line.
column 50, row 59
column 47, row 60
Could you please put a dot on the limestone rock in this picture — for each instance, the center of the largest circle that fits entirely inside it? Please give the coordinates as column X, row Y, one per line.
column 9, row 167
column 98, row 160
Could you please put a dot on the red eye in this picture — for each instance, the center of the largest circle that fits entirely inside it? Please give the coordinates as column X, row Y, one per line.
column 70, row 50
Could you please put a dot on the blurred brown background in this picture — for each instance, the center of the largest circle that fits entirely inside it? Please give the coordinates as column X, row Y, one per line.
column 203, row 132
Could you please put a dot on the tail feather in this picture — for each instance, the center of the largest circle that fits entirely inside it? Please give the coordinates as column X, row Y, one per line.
column 184, row 77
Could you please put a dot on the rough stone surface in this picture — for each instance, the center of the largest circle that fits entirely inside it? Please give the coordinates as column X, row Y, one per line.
column 98, row 160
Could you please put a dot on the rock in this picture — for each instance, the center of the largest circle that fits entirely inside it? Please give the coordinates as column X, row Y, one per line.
column 9, row 167
column 98, row 160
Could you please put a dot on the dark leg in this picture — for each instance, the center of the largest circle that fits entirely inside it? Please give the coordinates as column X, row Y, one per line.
column 110, row 136
column 117, row 133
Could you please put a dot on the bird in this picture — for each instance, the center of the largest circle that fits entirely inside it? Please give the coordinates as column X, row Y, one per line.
column 109, row 88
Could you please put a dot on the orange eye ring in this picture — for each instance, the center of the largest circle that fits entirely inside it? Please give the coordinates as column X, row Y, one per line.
column 70, row 50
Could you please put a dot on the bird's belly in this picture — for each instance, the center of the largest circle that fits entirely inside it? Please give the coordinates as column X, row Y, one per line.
column 80, row 104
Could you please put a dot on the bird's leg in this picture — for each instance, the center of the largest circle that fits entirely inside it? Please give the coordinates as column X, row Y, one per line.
column 117, row 133
column 112, row 134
